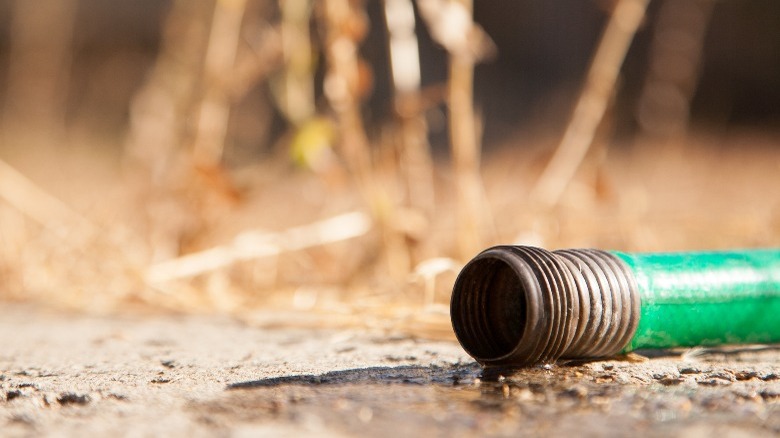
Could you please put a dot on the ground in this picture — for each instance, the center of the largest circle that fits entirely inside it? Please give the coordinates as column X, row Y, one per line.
column 68, row 374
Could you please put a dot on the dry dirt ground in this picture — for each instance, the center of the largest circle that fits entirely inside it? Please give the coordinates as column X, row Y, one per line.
column 65, row 374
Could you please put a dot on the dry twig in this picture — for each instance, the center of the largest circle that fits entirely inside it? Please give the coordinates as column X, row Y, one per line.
column 675, row 62
column 451, row 26
column 39, row 68
column 253, row 244
column 219, row 62
column 294, row 90
column 37, row 204
column 346, row 84
column 593, row 102
column 416, row 161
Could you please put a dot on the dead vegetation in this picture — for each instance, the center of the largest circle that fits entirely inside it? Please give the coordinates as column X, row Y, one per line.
column 333, row 218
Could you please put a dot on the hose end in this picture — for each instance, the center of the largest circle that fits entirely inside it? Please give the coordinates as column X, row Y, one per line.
column 524, row 306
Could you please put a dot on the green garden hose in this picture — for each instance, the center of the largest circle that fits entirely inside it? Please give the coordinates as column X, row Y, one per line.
column 522, row 306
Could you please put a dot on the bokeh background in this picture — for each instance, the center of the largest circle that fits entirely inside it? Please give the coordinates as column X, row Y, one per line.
column 346, row 157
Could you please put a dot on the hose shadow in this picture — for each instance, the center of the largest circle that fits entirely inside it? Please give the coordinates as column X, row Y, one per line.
column 404, row 374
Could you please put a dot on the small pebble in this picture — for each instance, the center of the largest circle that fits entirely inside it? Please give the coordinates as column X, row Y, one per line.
column 745, row 375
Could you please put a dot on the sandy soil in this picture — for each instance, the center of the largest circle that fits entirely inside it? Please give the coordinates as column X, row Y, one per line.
column 67, row 374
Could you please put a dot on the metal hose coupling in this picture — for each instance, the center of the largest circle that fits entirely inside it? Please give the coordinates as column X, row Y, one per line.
column 520, row 305
column 523, row 306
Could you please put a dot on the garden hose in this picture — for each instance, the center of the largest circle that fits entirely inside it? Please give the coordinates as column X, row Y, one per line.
column 523, row 306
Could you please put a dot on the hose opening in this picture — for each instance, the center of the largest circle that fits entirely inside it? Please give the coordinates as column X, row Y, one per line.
column 489, row 300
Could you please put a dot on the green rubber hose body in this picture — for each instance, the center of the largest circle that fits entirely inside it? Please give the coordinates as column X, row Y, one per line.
column 706, row 298
column 522, row 306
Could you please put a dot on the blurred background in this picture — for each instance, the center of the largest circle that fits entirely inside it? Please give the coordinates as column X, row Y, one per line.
column 347, row 157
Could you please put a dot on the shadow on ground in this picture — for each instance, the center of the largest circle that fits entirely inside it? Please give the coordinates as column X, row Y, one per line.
column 699, row 392
column 406, row 374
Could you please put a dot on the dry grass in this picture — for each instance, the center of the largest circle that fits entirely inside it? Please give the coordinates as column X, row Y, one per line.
column 366, row 230
column 697, row 195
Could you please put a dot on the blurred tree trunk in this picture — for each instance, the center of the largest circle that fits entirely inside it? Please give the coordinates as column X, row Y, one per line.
column 39, row 69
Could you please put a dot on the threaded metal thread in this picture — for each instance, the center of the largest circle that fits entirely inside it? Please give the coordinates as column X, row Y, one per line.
column 522, row 306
